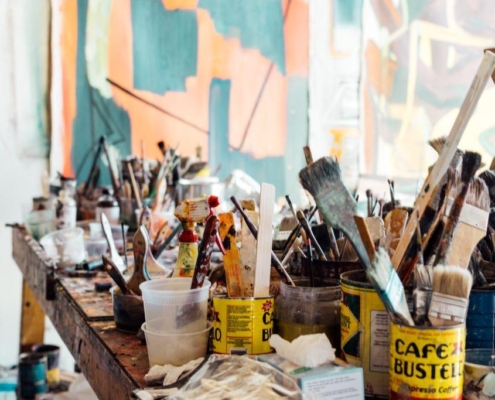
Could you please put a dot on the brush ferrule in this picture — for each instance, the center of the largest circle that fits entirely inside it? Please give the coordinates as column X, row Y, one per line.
column 448, row 308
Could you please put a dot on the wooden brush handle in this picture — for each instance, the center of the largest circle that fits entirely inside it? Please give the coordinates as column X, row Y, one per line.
column 365, row 234
column 107, row 232
column 161, row 235
column 204, row 252
column 274, row 260
column 145, row 219
column 231, row 259
column 114, row 272
column 113, row 174
column 167, row 241
column 294, row 235
column 139, row 248
column 134, row 185
column 305, row 225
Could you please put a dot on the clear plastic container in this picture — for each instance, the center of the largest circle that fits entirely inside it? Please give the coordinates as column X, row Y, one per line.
column 94, row 239
column 66, row 246
column 40, row 223
column 176, row 348
column 171, row 307
column 303, row 310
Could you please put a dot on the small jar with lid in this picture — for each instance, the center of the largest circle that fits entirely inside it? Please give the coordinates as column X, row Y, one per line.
column 108, row 205
column 303, row 310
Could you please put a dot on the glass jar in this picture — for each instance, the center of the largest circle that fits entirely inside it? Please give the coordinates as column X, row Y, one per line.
column 303, row 310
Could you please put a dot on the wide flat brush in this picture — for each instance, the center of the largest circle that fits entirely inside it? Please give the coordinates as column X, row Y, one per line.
column 450, row 297
column 430, row 185
column 322, row 179
column 231, row 259
column 140, row 273
column 470, row 164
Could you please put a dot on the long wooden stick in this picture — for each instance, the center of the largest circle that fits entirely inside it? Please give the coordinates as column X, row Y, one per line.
column 430, row 186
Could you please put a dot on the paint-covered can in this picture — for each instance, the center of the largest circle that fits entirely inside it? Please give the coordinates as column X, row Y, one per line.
column 364, row 332
column 242, row 325
column 426, row 362
column 32, row 375
column 52, row 354
column 479, row 374
column 480, row 320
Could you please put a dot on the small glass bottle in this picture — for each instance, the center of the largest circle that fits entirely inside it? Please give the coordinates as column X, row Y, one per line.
column 108, row 205
column 65, row 205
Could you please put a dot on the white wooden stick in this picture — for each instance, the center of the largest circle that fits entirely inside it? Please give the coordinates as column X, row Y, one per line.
column 264, row 243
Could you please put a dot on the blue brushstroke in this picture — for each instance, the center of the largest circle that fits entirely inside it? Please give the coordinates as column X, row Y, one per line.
column 258, row 24
column 95, row 115
column 164, row 46
column 347, row 12
column 280, row 171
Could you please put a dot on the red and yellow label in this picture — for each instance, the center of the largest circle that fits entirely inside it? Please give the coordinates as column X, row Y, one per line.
column 426, row 363
column 242, row 325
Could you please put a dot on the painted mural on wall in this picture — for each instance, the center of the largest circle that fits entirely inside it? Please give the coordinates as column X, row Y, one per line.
column 419, row 60
column 227, row 75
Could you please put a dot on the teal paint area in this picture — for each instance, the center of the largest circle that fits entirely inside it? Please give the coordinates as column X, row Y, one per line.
column 96, row 116
column 164, row 46
column 258, row 24
column 270, row 169
column 347, row 12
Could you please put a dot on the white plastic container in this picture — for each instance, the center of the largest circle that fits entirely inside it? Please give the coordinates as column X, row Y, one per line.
column 176, row 348
column 65, row 246
column 171, row 307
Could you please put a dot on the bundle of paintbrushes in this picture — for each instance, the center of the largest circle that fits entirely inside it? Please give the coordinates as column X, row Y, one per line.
column 323, row 181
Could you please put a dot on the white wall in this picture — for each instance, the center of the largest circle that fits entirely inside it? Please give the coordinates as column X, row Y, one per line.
column 23, row 146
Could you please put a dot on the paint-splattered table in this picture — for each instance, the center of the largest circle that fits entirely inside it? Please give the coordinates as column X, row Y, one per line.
column 113, row 362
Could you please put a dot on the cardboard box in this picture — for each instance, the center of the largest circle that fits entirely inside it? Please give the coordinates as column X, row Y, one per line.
column 335, row 381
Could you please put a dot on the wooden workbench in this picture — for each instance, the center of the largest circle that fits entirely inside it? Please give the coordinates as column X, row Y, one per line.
column 114, row 363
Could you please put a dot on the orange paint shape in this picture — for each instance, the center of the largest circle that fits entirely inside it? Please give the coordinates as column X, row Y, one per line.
column 180, row 4
column 296, row 32
column 68, row 43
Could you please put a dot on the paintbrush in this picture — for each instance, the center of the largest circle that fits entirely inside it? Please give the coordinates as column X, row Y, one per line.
column 294, row 234
column 305, row 225
column 94, row 166
column 450, row 296
column 291, row 206
column 322, row 179
column 383, row 276
column 489, row 177
column 135, row 188
column 431, row 184
column 145, row 219
column 114, row 272
column 113, row 174
column 204, row 251
column 369, row 201
column 438, row 144
column 473, row 221
column 160, row 236
column 140, row 273
column 309, row 256
column 124, row 244
column 274, row 260
column 470, row 164
column 423, row 282
column 334, row 249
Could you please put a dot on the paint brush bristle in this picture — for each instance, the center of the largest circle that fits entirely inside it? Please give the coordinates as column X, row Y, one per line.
column 438, row 144
column 319, row 175
column 471, row 161
column 488, row 177
column 287, row 224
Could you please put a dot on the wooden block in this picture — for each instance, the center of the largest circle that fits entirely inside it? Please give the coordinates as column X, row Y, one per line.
column 231, row 258
column 32, row 320
column 248, row 254
column 377, row 230
column 264, row 242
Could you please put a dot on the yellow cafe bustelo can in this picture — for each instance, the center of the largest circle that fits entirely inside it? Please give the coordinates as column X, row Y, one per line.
column 426, row 362
column 364, row 332
column 242, row 325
